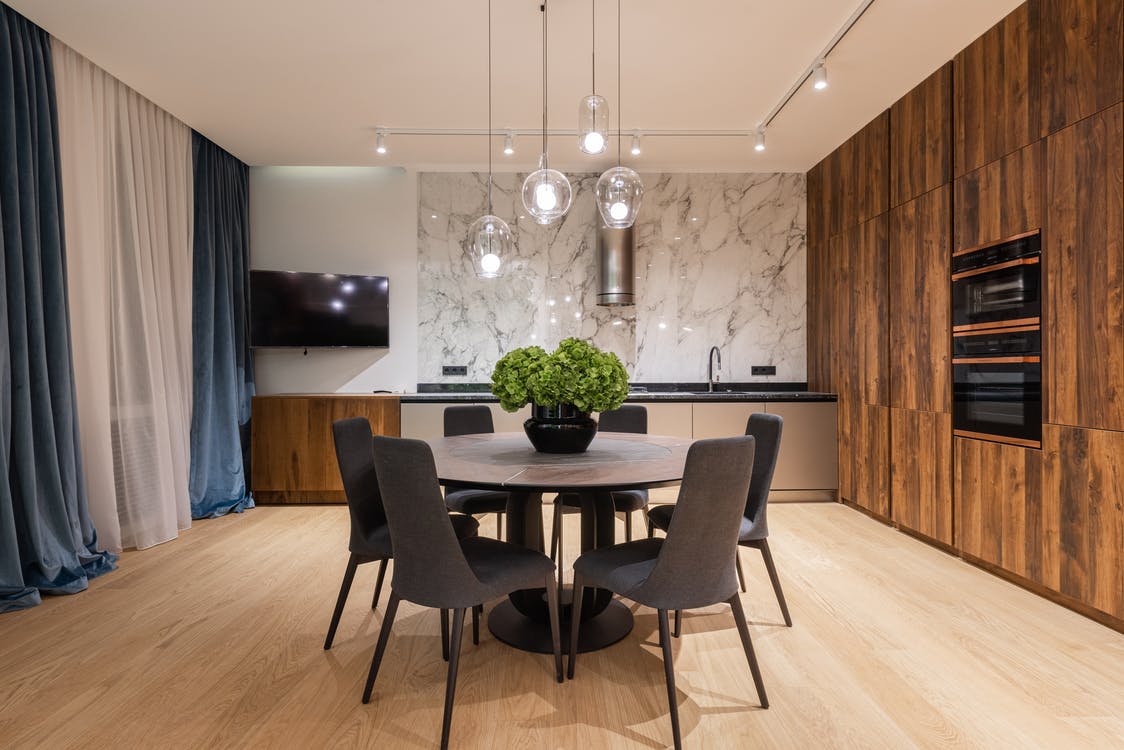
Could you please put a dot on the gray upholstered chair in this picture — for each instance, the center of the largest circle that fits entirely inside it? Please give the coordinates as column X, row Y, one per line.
column 754, row 524
column 370, row 536
column 694, row 565
column 433, row 568
column 473, row 420
column 628, row 418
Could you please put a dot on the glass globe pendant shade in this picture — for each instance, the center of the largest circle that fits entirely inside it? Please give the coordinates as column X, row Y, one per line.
column 490, row 246
column 546, row 194
column 593, row 124
column 619, row 195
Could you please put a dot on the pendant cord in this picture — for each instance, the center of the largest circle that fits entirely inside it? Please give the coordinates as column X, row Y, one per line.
column 593, row 12
column 544, row 97
column 619, row 83
column 489, row 107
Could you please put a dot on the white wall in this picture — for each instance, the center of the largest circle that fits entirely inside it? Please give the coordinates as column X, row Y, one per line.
column 355, row 220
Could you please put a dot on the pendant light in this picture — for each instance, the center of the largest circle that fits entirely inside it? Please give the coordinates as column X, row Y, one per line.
column 593, row 111
column 546, row 192
column 619, row 190
column 489, row 244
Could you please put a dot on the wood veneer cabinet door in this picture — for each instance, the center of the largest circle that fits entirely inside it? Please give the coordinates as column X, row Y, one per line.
column 920, row 257
column 1002, row 515
column 819, row 287
column 870, row 458
column 1085, row 474
column 921, row 472
column 1081, row 48
column 871, row 312
column 1083, row 257
column 996, row 109
column 921, row 138
column 1001, row 199
column 856, row 177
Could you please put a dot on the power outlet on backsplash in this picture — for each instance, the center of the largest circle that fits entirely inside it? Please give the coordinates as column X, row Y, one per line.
column 763, row 370
column 454, row 369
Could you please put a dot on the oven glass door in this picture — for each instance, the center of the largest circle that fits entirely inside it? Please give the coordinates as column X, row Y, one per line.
column 1001, row 399
column 1007, row 294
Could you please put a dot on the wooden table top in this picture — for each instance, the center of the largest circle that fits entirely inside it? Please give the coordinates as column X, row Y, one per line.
column 507, row 461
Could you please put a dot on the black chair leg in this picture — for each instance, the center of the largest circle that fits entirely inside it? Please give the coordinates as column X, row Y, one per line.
column 678, row 622
column 445, row 635
column 669, row 673
column 556, row 531
column 651, row 529
column 741, row 574
column 348, row 577
column 628, row 527
column 451, row 683
column 378, row 584
column 775, row 579
column 575, row 621
column 380, row 647
column 555, row 626
column 735, row 603
column 499, row 526
column 476, row 624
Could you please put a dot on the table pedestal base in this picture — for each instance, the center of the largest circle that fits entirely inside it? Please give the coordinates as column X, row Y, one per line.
column 516, row 629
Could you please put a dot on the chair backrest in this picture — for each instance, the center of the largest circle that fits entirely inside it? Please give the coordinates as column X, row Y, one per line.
column 766, row 428
column 429, row 565
column 352, row 438
column 695, row 567
column 468, row 420
column 628, row 418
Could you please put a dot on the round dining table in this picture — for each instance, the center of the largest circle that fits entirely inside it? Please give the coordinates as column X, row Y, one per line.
column 507, row 462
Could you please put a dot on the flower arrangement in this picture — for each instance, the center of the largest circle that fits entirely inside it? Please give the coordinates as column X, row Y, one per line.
column 575, row 373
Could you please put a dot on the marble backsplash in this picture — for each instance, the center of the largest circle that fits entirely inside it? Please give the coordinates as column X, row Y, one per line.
column 720, row 261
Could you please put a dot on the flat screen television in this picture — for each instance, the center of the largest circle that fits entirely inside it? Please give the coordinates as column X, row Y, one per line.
column 290, row 309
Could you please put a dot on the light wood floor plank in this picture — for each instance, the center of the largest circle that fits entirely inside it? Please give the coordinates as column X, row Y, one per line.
column 214, row 640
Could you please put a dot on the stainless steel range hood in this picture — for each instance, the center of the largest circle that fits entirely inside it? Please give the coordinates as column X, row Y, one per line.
column 617, row 271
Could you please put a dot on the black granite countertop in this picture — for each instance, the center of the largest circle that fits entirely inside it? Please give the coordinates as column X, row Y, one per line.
column 439, row 393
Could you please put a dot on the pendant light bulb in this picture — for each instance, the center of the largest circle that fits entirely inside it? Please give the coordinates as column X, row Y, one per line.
column 619, row 195
column 546, row 194
column 593, row 124
column 489, row 242
column 509, row 143
column 635, row 151
column 759, row 140
column 380, row 142
column 819, row 76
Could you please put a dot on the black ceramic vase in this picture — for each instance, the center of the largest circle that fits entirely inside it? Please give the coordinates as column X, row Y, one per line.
column 560, row 428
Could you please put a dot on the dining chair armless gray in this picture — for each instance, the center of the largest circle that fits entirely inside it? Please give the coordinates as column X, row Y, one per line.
column 473, row 420
column 754, row 530
column 370, row 535
column 433, row 568
column 628, row 418
column 693, row 566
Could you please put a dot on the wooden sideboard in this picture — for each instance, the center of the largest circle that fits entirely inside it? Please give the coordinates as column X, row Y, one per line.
column 292, row 452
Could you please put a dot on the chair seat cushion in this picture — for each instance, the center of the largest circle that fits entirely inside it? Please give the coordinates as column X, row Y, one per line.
column 377, row 543
column 620, row 568
column 625, row 501
column 502, row 567
column 476, row 502
column 660, row 517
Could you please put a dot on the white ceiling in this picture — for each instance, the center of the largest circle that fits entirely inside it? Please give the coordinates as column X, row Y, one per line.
column 301, row 83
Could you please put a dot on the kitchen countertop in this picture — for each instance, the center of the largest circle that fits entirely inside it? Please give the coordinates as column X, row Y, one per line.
column 681, row 392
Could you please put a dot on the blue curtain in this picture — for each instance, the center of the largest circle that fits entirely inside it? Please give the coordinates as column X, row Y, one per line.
column 47, row 542
column 222, row 367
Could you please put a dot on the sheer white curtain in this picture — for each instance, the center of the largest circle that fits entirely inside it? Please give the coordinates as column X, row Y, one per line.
column 127, row 197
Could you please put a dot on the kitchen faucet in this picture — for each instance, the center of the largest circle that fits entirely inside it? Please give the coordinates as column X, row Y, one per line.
column 711, row 378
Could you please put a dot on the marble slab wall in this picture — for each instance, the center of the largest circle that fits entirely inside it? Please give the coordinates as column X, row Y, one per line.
column 720, row 261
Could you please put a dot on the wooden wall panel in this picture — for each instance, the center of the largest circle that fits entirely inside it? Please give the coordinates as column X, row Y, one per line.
column 996, row 109
column 921, row 472
column 1083, row 255
column 921, row 138
column 864, row 456
column 856, row 177
column 870, row 309
column 292, row 448
column 1002, row 515
column 819, row 294
column 920, row 254
column 1085, row 473
column 1081, row 48
column 999, row 200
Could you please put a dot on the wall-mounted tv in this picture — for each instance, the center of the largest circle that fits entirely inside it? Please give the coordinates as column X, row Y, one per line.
column 318, row 310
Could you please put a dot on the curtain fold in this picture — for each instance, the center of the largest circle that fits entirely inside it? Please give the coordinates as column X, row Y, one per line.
column 222, row 366
column 47, row 539
column 126, row 170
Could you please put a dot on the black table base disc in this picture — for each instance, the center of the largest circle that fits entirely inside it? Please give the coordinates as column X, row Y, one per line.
column 515, row 629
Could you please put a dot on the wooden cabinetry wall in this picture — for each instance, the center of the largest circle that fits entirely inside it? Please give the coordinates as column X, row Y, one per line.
column 1021, row 131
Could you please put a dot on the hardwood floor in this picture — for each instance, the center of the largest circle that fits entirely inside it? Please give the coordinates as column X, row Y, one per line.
column 215, row 640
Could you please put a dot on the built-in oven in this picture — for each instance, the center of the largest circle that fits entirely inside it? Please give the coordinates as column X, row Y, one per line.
column 997, row 285
column 997, row 385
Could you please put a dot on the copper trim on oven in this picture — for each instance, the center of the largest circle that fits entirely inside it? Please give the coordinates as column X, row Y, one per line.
column 993, row 243
column 997, row 267
column 991, row 331
column 995, row 360
column 1004, row 324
